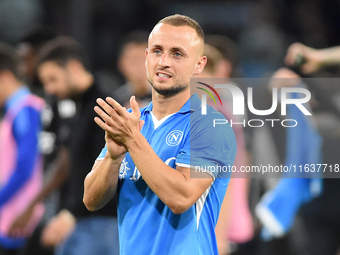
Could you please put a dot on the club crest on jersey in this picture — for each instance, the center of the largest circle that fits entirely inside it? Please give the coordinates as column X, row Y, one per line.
column 123, row 169
column 174, row 137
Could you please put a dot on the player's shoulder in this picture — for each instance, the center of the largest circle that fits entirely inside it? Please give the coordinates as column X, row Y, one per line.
column 211, row 115
column 211, row 126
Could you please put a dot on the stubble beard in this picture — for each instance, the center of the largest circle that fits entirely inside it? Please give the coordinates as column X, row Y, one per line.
column 168, row 92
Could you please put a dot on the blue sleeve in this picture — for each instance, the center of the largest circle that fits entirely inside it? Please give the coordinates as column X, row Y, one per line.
column 208, row 147
column 102, row 153
column 25, row 130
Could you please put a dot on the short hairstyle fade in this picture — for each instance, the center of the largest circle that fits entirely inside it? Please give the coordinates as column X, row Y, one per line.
column 178, row 20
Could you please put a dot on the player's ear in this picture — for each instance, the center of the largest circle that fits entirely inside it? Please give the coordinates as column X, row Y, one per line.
column 146, row 54
column 200, row 64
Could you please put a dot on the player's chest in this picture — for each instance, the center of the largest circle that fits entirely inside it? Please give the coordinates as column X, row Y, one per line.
column 166, row 143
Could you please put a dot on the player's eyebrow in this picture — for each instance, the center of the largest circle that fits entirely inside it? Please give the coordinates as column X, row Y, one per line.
column 177, row 49
column 172, row 49
column 156, row 46
column 180, row 49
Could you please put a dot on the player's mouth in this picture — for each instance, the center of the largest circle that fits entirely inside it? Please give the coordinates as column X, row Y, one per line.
column 163, row 75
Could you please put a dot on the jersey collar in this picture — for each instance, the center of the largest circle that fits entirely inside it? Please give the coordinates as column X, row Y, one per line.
column 191, row 105
column 148, row 109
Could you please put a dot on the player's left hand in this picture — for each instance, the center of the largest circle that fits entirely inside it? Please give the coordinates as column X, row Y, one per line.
column 119, row 123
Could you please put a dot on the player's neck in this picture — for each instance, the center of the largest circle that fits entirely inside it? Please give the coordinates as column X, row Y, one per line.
column 163, row 106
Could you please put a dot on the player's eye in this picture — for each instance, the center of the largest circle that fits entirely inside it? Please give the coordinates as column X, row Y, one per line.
column 177, row 54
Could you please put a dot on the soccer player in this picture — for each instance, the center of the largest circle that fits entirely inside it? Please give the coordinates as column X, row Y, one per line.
column 151, row 153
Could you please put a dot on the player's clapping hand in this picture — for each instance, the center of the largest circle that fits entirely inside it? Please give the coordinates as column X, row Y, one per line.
column 120, row 125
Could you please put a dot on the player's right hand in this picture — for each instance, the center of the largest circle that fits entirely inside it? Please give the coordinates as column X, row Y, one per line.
column 106, row 122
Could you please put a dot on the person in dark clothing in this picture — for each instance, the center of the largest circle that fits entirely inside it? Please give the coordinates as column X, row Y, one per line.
column 64, row 72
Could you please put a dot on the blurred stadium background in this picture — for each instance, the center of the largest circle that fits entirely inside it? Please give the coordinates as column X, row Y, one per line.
column 262, row 28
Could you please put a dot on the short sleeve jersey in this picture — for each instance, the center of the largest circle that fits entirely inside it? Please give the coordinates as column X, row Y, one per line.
column 186, row 139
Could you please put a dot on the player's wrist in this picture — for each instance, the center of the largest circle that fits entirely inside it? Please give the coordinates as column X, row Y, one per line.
column 115, row 159
column 133, row 143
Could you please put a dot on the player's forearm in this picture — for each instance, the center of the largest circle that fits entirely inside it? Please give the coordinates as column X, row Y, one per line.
column 101, row 183
column 170, row 185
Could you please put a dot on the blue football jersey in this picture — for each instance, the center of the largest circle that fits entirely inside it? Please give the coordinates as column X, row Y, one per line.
column 187, row 139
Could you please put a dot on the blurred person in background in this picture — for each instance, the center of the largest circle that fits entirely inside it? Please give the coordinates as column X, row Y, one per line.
column 28, row 48
column 63, row 69
column 131, row 64
column 255, row 246
column 321, row 216
column 279, row 207
column 21, row 167
column 229, row 65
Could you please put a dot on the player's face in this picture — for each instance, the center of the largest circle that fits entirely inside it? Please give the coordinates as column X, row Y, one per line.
column 173, row 56
column 55, row 79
